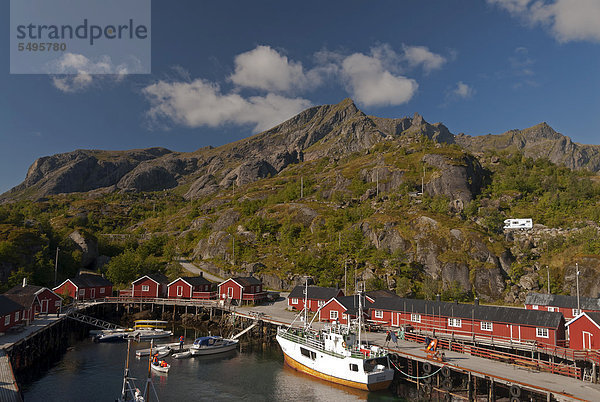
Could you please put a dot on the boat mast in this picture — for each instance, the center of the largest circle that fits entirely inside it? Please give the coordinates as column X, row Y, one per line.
column 305, row 302
column 147, row 393
column 359, row 317
column 126, row 374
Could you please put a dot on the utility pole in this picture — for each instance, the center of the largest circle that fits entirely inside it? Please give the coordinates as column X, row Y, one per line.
column 578, row 308
column 56, row 265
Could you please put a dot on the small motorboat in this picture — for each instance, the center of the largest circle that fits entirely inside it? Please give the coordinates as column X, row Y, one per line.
column 162, row 366
column 182, row 355
column 208, row 345
column 116, row 335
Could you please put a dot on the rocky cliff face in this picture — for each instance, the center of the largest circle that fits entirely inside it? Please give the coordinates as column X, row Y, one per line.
column 538, row 141
column 329, row 130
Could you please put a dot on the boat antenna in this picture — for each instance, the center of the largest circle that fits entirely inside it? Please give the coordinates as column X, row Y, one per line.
column 359, row 316
column 305, row 302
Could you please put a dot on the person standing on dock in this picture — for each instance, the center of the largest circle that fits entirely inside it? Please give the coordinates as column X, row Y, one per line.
column 181, row 338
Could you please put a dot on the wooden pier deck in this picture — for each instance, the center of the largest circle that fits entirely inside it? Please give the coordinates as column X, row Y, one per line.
column 9, row 390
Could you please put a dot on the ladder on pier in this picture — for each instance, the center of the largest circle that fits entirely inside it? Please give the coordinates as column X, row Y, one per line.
column 244, row 331
column 96, row 322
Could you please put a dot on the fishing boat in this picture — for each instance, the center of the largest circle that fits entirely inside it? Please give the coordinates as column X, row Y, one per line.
column 208, row 345
column 336, row 354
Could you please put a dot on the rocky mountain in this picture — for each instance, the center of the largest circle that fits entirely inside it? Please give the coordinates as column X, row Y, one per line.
column 329, row 130
column 539, row 141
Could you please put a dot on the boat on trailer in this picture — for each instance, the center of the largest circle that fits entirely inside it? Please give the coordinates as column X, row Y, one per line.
column 208, row 345
column 336, row 354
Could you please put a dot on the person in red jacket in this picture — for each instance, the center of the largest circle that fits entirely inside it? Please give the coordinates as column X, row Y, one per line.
column 181, row 342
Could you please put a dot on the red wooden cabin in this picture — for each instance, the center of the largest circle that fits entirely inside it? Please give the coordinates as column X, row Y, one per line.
column 191, row 287
column 85, row 287
column 36, row 300
column 11, row 313
column 567, row 305
column 471, row 320
column 340, row 309
column 242, row 289
column 316, row 298
column 584, row 331
column 150, row 286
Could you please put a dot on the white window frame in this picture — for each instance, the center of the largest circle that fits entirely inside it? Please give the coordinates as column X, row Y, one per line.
column 145, row 288
column 486, row 326
column 333, row 315
column 81, row 292
column 535, row 307
column 553, row 309
column 101, row 291
column 576, row 312
column 294, row 300
column 378, row 313
column 16, row 316
column 541, row 332
column 321, row 303
column 230, row 292
column 179, row 291
column 415, row 317
column 455, row 322
column 7, row 320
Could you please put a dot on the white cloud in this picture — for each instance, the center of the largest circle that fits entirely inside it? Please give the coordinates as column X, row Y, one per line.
column 265, row 68
column 78, row 73
column 422, row 56
column 371, row 84
column 568, row 20
column 463, row 91
column 201, row 103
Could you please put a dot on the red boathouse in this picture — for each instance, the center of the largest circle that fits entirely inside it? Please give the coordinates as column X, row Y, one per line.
column 191, row 287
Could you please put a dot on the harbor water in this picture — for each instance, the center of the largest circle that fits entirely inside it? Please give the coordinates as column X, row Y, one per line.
column 90, row 371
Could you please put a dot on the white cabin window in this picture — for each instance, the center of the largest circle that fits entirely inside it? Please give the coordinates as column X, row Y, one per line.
column 16, row 316
column 378, row 313
column 454, row 322
column 552, row 309
column 7, row 320
column 534, row 306
column 294, row 301
column 179, row 290
column 541, row 332
column 415, row 317
column 230, row 293
column 333, row 315
column 486, row 326
column 145, row 288
column 321, row 303
column 576, row 312
column 101, row 291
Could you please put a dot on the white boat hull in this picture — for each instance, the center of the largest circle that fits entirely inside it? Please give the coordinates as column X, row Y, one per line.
column 336, row 369
column 161, row 369
column 210, row 350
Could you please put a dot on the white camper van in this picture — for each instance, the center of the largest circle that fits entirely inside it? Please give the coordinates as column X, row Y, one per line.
column 518, row 223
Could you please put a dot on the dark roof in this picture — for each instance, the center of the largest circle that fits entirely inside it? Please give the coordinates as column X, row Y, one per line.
column 247, row 280
column 90, row 281
column 156, row 277
column 543, row 299
column 314, row 292
column 8, row 306
column 510, row 315
column 351, row 303
column 373, row 294
column 196, row 280
column 24, row 295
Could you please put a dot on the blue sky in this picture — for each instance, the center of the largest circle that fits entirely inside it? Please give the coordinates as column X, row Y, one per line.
column 224, row 70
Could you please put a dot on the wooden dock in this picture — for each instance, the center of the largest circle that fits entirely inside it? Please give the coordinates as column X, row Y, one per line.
column 9, row 390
